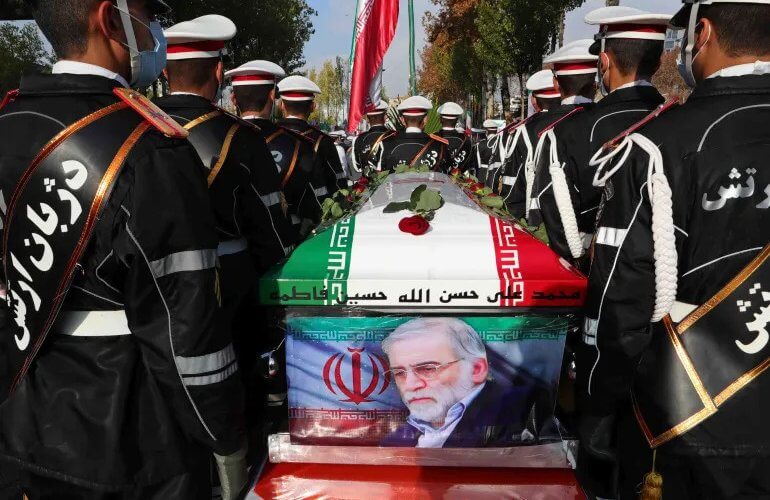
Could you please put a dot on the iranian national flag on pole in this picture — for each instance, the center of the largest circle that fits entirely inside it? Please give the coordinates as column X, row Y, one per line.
column 374, row 30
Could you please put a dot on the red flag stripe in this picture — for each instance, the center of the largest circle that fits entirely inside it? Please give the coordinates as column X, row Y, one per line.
column 373, row 41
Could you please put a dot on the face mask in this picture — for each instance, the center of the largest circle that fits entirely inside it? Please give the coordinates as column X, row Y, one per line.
column 684, row 63
column 602, row 87
column 146, row 65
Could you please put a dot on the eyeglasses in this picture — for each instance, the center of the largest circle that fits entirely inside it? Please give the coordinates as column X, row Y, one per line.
column 426, row 371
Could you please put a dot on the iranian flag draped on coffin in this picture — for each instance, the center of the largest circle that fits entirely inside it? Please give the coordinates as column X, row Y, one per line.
column 476, row 311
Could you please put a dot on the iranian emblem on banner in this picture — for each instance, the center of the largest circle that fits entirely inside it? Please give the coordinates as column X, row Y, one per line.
column 375, row 28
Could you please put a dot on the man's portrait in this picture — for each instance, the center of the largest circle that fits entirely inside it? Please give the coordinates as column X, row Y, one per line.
column 441, row 369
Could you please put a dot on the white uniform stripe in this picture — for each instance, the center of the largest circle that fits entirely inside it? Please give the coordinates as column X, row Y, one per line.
column 610, row 236
column 271, row 199
column 509, row 180
column 211, row 379
column 213, row 362
column 189, row 260
column 321, row 191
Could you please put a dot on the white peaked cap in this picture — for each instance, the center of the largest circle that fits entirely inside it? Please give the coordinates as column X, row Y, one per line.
column 416, row 105
column 297, row 88
column 200, row 38
column 573, row 58
column 256, row 73
column 680, row 18
column 379, row 109
column 541, row 84
column 627, row 23
column 490, row 124
column 450, row 109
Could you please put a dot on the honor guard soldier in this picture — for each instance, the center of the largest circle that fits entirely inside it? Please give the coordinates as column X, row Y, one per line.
column 414, row 147
column 676, row 330
column 366, row 146
column 460, row 147
column 115, row 381
column 510, row 183
column 244, row 184
column 574, row 69
column 297, row 95
column 629, row 45
column 486, row 151
column 303, row 178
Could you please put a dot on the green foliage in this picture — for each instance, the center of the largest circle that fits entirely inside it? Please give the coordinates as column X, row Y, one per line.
column 423, row 202
column 21, row 51
column 14, row 10
column 515, row 34
column 276, row 30
column 330, row 103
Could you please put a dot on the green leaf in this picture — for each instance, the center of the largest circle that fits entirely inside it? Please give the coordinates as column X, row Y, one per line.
column 429, row 200
column 396, row 206
column 415, row 198
column 401, row 168
column 492, row 201
column 337, row 211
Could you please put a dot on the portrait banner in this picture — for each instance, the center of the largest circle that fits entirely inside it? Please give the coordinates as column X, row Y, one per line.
column 430, row 382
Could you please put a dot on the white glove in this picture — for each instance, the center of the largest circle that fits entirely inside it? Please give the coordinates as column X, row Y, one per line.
column 233, row 473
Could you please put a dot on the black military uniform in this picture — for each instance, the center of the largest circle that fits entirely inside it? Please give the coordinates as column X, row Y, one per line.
column 326, row 153
column 302, row 174
column 718, row 138
column 577, row 139
column 414, row 149
column 244, row 187
column 365, row 148
column 486, row 157
column 132, row 403
column 459, row 147
column 541, row 184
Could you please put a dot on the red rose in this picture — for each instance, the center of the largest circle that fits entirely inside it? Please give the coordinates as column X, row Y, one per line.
column 455, row 172
column 363, row 181
column 492, row 195
column 415, row 225
column 349, row 198
column 478, row 186
column 358, row 189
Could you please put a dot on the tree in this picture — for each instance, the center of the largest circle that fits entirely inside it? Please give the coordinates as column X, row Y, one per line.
column 14, row 10
column 667, row 79
column 613, row 3
column 451, row 69
column 276, row 30
column 515, row 34
column 21, row 51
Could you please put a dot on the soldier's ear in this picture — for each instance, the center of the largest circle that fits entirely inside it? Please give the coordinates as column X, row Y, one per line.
column 272, row 94
column 220, row 75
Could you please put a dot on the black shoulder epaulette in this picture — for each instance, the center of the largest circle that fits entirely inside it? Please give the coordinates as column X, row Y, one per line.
column 553, row 125
column 151, row 113
column 614, row 142
column 439, row 139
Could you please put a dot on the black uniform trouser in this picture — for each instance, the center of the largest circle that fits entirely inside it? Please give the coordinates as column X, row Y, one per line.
column 687, row 477
column 14, row 483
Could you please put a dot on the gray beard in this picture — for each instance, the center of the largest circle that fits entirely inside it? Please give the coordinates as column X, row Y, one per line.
column 444, row 398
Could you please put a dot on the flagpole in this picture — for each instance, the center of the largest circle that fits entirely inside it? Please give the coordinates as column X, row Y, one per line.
column 412, row 71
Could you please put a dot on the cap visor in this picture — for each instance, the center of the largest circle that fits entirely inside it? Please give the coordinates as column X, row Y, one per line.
column 680, row 18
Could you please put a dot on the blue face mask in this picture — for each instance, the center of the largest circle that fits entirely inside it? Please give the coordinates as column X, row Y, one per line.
column 146, row 65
